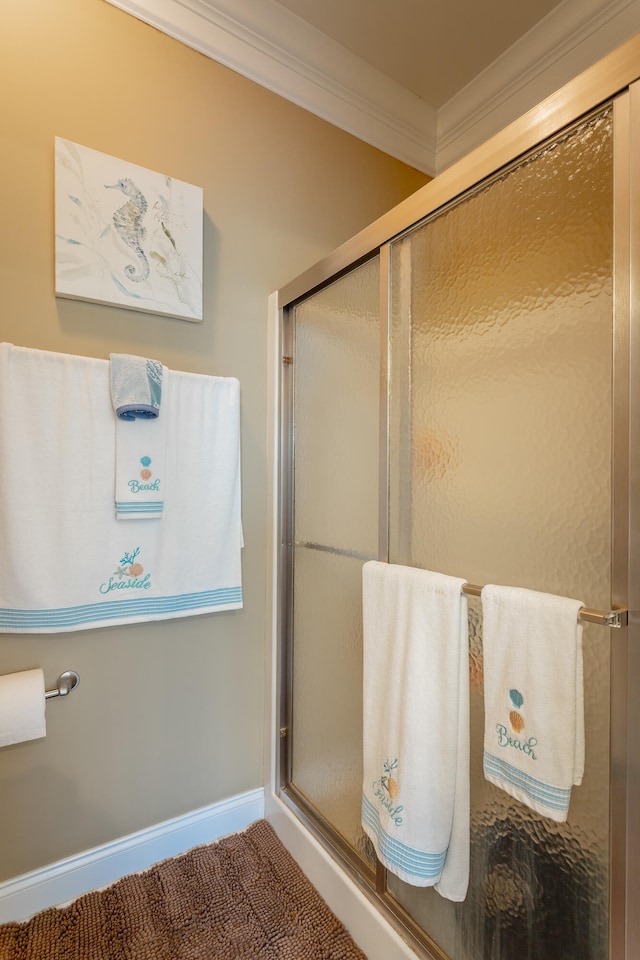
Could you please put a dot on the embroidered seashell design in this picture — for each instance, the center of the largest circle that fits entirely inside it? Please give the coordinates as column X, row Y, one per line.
column 145, row 474
column 135, row 569
column 516, row 698
column 387, row 780
column 516, row 721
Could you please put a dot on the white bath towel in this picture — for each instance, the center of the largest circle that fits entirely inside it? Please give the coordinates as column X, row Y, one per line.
column 415, row 797
column 22, row 707
column 534, row 700
column 66, row 562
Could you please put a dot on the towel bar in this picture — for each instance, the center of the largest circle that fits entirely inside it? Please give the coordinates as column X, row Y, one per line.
column 66, row 682
column 607, row 618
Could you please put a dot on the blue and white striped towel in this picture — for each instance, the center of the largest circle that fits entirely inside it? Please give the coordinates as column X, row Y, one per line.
column 534, row 698
column 415, row 792
column 136, row 386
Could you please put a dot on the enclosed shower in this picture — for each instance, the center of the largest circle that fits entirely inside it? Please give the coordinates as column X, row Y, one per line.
column 457, row 396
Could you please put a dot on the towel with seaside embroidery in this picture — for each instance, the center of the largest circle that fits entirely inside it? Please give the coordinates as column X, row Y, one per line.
column 66, row 562
column 534, row 699
column 415, row 792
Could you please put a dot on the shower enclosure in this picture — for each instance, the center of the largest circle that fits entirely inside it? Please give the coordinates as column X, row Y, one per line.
column 457, row 394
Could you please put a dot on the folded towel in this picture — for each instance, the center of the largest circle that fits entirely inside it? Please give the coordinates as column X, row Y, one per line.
column 67, row 563
column 136, row 386
column 534, row 700
column 415, row 797
column 22, row 707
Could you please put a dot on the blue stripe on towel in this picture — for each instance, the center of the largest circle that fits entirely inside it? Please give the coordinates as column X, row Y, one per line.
column 92, row 613
column 139, row 506
column 556, row 798
column 412, row 862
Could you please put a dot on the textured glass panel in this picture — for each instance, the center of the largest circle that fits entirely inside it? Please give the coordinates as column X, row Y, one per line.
column 327, row 687
column 337, row 391
column 501, row 473
column 336, row 474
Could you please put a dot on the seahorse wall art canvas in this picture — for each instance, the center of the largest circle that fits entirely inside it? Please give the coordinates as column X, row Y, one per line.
column 125, row 235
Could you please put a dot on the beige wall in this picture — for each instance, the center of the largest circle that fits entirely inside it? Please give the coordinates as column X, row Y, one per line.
column 168, row 717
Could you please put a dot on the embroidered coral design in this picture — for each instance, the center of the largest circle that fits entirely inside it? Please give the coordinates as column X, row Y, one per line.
column 386, row 790
column 387, row 780
column 128, row 566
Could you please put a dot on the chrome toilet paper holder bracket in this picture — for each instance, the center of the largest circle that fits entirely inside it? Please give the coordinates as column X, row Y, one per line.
column 65, row 683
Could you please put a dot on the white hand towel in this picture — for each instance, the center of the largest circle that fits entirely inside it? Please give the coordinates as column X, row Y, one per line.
column 138, row 387
column 534, row 699
column 22, row 707
column 415, row 797
column 66, row 562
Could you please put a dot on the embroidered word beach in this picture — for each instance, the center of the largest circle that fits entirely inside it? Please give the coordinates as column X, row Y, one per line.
column 505, row 739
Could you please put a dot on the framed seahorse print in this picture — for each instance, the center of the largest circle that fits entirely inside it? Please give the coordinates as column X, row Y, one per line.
column 126, row 236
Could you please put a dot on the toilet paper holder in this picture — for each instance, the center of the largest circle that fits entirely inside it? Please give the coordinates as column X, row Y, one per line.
column 65, row 683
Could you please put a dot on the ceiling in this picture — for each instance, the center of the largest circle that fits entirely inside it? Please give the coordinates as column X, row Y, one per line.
column 434, row 48
column 425, row 81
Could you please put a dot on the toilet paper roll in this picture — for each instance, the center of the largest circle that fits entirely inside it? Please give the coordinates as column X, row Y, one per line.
column 22, row 707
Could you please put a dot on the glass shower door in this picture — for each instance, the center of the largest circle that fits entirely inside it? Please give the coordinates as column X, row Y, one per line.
column 501, row 473
column 497, row 438
column 336, row 491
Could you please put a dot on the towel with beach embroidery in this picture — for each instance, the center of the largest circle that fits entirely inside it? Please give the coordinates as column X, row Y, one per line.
column 534, row 698
column 139, row 394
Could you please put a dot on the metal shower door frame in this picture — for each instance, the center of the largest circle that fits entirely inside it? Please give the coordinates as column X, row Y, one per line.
column 615, row 79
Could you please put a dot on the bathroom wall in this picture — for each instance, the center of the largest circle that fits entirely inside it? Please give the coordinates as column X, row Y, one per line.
column 168, row 716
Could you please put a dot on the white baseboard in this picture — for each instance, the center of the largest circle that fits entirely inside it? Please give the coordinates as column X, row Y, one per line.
column 67, row 879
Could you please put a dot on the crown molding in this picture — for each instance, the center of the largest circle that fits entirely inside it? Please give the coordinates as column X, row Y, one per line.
column 566, row 42
column 268, row 44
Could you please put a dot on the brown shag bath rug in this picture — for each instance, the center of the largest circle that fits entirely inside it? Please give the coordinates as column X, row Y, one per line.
column 242, row 898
